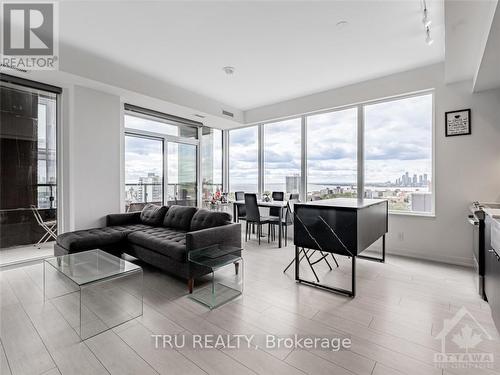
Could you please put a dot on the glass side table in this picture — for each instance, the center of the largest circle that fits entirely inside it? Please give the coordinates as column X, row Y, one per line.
column 93, row 290
column 227, row 286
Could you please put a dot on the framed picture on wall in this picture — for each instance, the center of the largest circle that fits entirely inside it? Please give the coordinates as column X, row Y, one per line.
column 458, row 122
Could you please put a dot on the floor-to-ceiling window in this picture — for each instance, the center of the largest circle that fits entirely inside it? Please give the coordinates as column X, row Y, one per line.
column 396, row 144
column 282, row 156
column 332, row 154
column 161, row 159
column 398, row 153
column 28, row 166
column 211, row 162
column 244, row 160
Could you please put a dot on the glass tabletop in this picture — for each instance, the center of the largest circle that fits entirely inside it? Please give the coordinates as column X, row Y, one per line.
column 90, row 266
column 215, row 256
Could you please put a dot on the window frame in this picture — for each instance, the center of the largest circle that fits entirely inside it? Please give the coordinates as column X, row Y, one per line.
column 197, row 142
column 227, row 157
column 203, row 147
column 360, row 147
column 263, row 140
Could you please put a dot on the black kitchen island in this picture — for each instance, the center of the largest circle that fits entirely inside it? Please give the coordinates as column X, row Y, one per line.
column 343, row 226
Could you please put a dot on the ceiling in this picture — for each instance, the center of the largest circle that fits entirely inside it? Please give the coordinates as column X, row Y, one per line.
column 281, row 50
column 467, row 25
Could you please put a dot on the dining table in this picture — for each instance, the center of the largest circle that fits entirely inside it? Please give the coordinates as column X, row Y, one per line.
column 269, row 204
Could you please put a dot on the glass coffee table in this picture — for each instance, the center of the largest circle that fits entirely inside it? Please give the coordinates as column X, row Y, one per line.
column 93, row 290
column 227, row 285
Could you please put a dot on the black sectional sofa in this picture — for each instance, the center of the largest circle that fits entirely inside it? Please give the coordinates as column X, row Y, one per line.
column 160, row 236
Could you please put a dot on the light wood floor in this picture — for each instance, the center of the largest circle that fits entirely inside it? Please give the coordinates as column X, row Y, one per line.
column 400, row 306
column 24, row 253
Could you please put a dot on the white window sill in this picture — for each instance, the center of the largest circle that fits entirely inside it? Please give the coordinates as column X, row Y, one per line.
column 416, row 214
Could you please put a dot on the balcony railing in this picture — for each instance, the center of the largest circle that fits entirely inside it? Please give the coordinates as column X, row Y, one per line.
column 137, row 195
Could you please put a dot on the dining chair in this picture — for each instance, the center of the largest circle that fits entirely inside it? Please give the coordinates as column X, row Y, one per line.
column 274, row 212
column 241, row 209
column 49, row 226
column 294, row 196
column 253, row 217
column 287, row 219
column 309, row 253
column 276, row 196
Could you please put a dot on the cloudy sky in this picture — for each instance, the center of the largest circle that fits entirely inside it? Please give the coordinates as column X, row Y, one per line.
column 142, row 156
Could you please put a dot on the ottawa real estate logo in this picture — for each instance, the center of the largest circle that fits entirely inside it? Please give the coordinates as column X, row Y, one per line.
column 29, row 35
column 464, row 343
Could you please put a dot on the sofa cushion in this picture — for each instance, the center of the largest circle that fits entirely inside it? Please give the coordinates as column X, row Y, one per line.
column 204, row 219
column 167, row 241
column 82, row 240
column 87, row 239
column 179, row 217
column 152, row 214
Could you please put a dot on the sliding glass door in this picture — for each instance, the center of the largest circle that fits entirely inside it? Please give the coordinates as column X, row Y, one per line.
column 161, row 162
column 181, row 178
column 143, row 171
column 28, row 167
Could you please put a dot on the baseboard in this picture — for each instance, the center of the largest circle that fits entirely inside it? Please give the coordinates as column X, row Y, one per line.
column 457, row 261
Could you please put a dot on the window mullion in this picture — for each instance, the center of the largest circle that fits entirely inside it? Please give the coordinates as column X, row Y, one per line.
column 361, row 152
column 303, row 160
column 260, row 147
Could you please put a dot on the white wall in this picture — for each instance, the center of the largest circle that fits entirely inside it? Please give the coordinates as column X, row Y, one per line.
column 467, row 168
column 91, row 168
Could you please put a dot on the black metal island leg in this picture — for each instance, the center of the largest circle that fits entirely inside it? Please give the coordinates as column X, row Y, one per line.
column 375, row 259
column 350, row 293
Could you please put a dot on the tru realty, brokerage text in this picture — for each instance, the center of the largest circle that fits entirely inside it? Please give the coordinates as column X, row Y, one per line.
column 241, row 341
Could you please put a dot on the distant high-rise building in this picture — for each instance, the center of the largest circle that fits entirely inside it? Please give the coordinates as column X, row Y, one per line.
column 292, row 184
column 150, row 189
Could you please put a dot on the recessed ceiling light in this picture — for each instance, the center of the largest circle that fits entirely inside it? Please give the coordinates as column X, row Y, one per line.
column 228, row 70
column 341, row 24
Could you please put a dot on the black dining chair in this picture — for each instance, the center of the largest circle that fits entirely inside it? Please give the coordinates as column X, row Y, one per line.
column 274, row 212
column 241, row 209
column 253, row 217
column 287, row 219
column 309, row 253
column 294, row 197
column 277, row 196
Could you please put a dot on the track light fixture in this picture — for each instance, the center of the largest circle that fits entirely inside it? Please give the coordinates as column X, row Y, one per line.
column 426, row 20
column 428, row 38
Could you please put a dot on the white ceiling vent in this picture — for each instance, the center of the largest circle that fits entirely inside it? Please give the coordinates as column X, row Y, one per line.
column 227, row 113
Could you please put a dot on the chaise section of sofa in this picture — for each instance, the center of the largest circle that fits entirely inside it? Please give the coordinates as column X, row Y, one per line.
column 160, row 236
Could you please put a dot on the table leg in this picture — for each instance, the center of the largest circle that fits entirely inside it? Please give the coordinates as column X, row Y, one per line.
column 297, row 263
column 383, row 249
column 375, row 259
column 353, row 276
column 280, row 227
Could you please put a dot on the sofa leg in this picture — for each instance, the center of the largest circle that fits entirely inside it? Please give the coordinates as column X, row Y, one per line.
column 236, row 267
column 190, row 285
